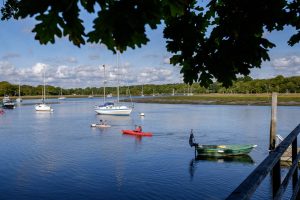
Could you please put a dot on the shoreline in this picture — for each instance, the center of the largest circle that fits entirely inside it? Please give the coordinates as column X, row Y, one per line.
column 223, row 99
column 202, row 99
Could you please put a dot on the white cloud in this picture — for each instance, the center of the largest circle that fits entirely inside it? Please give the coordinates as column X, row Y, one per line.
column 6, row 68
column 287, row 66
column 38, row 68
column 157, row 76
column 86, row 75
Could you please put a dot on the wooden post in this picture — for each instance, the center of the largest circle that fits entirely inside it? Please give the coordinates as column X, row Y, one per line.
column 275, row 174
column 273, row 122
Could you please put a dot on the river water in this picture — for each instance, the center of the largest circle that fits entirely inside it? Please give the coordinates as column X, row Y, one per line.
column 59, row 156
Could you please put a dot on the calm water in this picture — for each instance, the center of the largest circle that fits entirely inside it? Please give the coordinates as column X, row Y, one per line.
column 59, row 156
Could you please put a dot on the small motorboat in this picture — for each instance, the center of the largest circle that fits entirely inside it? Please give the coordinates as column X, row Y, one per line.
column 100, row 125
column 224, row 150
column 142, row 114
column 138, row 133
column 220, row 150
column 7, row 103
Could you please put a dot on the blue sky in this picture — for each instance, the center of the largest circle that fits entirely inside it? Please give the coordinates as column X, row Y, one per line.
column 22, row 59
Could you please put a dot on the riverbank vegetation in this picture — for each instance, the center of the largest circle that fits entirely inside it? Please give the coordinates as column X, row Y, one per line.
column 244, row 85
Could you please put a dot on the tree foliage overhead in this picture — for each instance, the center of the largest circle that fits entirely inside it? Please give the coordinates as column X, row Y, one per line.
column 218, row 40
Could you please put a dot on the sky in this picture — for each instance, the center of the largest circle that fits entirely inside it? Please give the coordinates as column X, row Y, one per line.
column 22, row 60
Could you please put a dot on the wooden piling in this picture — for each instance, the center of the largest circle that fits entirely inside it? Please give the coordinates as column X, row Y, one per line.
column 273, row 122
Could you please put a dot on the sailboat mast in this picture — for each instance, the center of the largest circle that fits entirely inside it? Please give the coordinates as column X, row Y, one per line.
column 44, row 92
column 104, row 85
column 19, row 89
column 118, row 92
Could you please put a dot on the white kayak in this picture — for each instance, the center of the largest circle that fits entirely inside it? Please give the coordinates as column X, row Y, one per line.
column 100, row 125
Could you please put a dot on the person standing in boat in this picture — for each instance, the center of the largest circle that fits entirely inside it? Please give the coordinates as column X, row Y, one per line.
column 192, row 139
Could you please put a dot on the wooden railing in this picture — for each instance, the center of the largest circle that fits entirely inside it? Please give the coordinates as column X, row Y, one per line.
column 271, row 165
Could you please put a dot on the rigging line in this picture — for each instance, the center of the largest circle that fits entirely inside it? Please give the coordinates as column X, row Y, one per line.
column 126, row 82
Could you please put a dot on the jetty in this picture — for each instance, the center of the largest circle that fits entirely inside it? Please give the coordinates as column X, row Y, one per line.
column 285, row 152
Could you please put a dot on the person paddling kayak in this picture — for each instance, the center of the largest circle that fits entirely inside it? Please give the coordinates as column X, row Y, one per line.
column 138, row 128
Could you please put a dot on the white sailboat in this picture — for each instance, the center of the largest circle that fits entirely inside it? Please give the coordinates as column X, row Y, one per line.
column 109, row 108
column 43, row 107
column 19, row 99
column 92, row 95
column 142, row 93
column 173, row 94
column 61, row 97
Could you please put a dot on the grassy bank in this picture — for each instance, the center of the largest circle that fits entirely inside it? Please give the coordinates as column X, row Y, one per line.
column 224, row 99
column 51, row 96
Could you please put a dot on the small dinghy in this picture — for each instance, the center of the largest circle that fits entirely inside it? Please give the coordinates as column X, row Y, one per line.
column 224, row 150
column 220, row 150
column 138, row 133
column 100, row 125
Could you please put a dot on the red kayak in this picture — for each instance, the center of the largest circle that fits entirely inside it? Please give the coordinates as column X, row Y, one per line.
column 133, row 132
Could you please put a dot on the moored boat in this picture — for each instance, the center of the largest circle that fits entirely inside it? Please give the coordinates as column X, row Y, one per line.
column 109, row 108
column 8, row 103
column 224, row 150
column 138, row 133
column 100, row 125
column 43, row 107
column 220, row 150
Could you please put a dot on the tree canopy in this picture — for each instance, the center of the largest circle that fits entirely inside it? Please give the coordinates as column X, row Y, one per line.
column 218, row 40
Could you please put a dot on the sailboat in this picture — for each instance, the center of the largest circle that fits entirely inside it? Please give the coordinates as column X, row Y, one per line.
column 173, row 94
column 19, row 99
column 61, row 96
column 44, row 107
column 92, row 95
column 142, row 93
column 109, row 108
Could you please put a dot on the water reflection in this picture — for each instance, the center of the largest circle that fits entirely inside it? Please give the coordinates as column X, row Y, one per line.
column 244, row 159
column 138, row 138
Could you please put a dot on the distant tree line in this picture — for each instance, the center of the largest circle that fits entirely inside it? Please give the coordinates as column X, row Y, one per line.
column 244, row 85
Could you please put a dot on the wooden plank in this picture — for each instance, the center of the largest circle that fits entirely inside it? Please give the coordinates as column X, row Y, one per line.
column 287, row 156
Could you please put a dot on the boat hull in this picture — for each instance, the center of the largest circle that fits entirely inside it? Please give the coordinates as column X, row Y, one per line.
column 132, row 132
column 19, row 100
column 223, row 150
column 116, row 110
column 43, row 108
column 8, row 105
column 100, row 125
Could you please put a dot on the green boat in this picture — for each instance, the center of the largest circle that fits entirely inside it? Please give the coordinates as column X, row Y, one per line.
column 223, row 150
column 220, row 150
